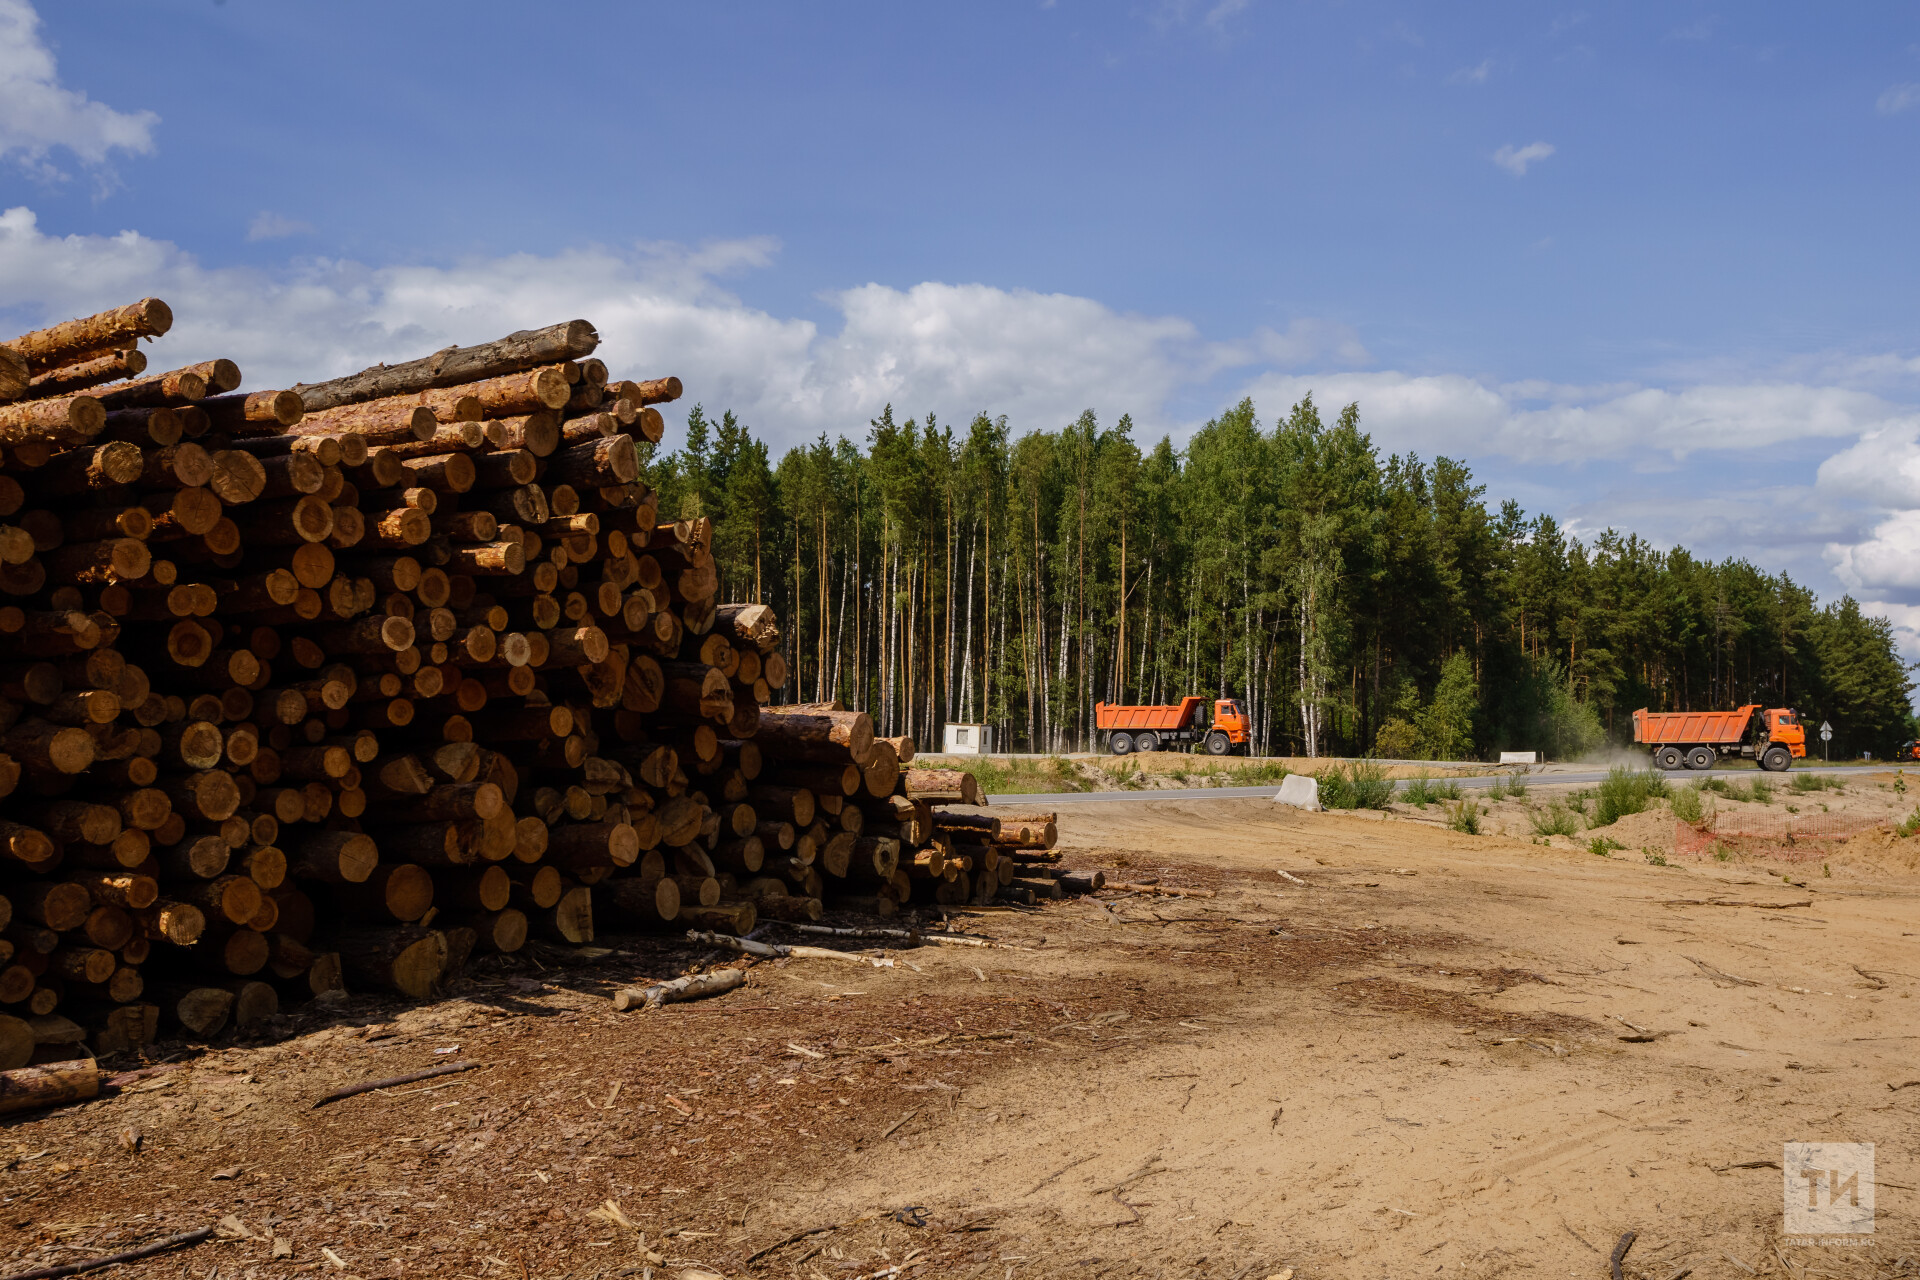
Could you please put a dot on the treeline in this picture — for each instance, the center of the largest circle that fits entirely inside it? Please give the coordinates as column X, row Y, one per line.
column 1354, row 604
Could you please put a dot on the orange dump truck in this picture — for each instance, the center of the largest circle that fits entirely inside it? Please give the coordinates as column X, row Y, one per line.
column 1697, row 739
column 1130, row 729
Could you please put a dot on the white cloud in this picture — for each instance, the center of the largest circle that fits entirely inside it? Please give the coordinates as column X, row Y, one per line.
column 274, row 226
column 1533, row 422
column 955, row 349
column 1516, row 159
column 1218, row 15
column 37, row 114
column 1898, row 99
column 1472, row 75
column 1887, row 563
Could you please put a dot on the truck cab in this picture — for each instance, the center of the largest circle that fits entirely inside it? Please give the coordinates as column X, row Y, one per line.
column 1781, row 725
column 1229, row 719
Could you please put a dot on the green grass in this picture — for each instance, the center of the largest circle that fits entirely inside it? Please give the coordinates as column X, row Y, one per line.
column 1359, row 785
column 1010, row 777
column 1910, row 827
column 1554, row 820
column 1685, row 803
column 1510, row 785
column 1805, row 782
column 1654, row 857
column 1758, row 791
column 1601, row 846
column 1426, row 789
column 1253, row 775
column 1625, row 792
column 1464, row 816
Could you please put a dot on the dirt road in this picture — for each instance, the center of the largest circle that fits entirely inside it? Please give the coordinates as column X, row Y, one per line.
column 1441, row 1054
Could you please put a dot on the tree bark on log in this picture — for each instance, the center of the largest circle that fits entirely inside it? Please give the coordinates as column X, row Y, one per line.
column 943, row 786
column 34, row 1088
column 452, row 366
column 693, row 987
column 408, row 960
column 75, row 340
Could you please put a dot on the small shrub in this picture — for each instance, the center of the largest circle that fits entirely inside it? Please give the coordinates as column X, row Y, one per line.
column 1625, row 792
column 1826, row 870
column 1579, row 800
column 1359, row 785
column 1685, row 803
column 1719, row 786
column 1602, row 847
column 1721, row 855
column 1899, row 784
column 1418, row 792
column 1805, row 782
column 1654, row 857
column 1446, row 789
column 1760, row 791
column 1517, row 786
column 1464, row 816
column 1909, row 827
column 1554, row 820
column 1497, row 790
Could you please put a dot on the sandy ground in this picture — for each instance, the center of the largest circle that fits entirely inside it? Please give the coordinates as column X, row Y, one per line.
column 1412, row 1063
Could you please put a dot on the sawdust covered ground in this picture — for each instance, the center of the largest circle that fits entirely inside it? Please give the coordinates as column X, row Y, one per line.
column 1411, row 1064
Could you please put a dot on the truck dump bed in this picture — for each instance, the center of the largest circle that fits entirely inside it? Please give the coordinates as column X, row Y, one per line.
column 1686, row 728
column 1133, row 719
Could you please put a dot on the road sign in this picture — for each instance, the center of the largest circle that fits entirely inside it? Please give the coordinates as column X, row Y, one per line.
column 1826, row 732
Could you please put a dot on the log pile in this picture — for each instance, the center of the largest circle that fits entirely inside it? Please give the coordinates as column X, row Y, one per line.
column 343, row 683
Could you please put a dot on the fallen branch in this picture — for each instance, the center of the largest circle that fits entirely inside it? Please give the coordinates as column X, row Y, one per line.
column 1620, row 1253
column 1050, row 1177
column 1908, row 1084
column 352, row 1090
column 1717, row 975
column 1732, row 902
column 693, row 987
column 1879, row 983
column 163, row 1245
column 1289, row 876
column 776, row 951
column 1161, row 890
column 802, row 1235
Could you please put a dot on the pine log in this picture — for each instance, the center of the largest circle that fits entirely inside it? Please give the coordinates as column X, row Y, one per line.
column 829, row 737
column 180, row 923
column 35, row 1088
column 258, row 412
column 395, row 890
column 453, row 366
column 74, row 340
column 570, row 919
column 406, row 959
column 332, row 857
column 943, row 786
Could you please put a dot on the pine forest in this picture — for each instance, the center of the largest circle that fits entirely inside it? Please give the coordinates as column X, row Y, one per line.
column 1355, row 604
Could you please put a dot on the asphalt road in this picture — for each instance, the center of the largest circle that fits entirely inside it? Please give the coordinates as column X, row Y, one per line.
column 1583, row 779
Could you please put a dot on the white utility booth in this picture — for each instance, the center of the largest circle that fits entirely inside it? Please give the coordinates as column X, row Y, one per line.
column 967, row 740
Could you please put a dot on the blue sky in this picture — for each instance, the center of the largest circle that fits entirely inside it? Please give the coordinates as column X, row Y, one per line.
column 1648, row 265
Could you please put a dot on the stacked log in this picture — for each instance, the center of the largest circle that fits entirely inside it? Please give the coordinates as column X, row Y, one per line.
column 340, row 685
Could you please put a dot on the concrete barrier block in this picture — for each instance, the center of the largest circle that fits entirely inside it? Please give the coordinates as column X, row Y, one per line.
column 1300, row 790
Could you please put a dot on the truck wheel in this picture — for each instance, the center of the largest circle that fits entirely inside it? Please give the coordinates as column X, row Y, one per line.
column 1146, row 742
column 1700, row 758
column 1218, row 744
column 1122, row 743
column 1667, row 758
column 1776, row 759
